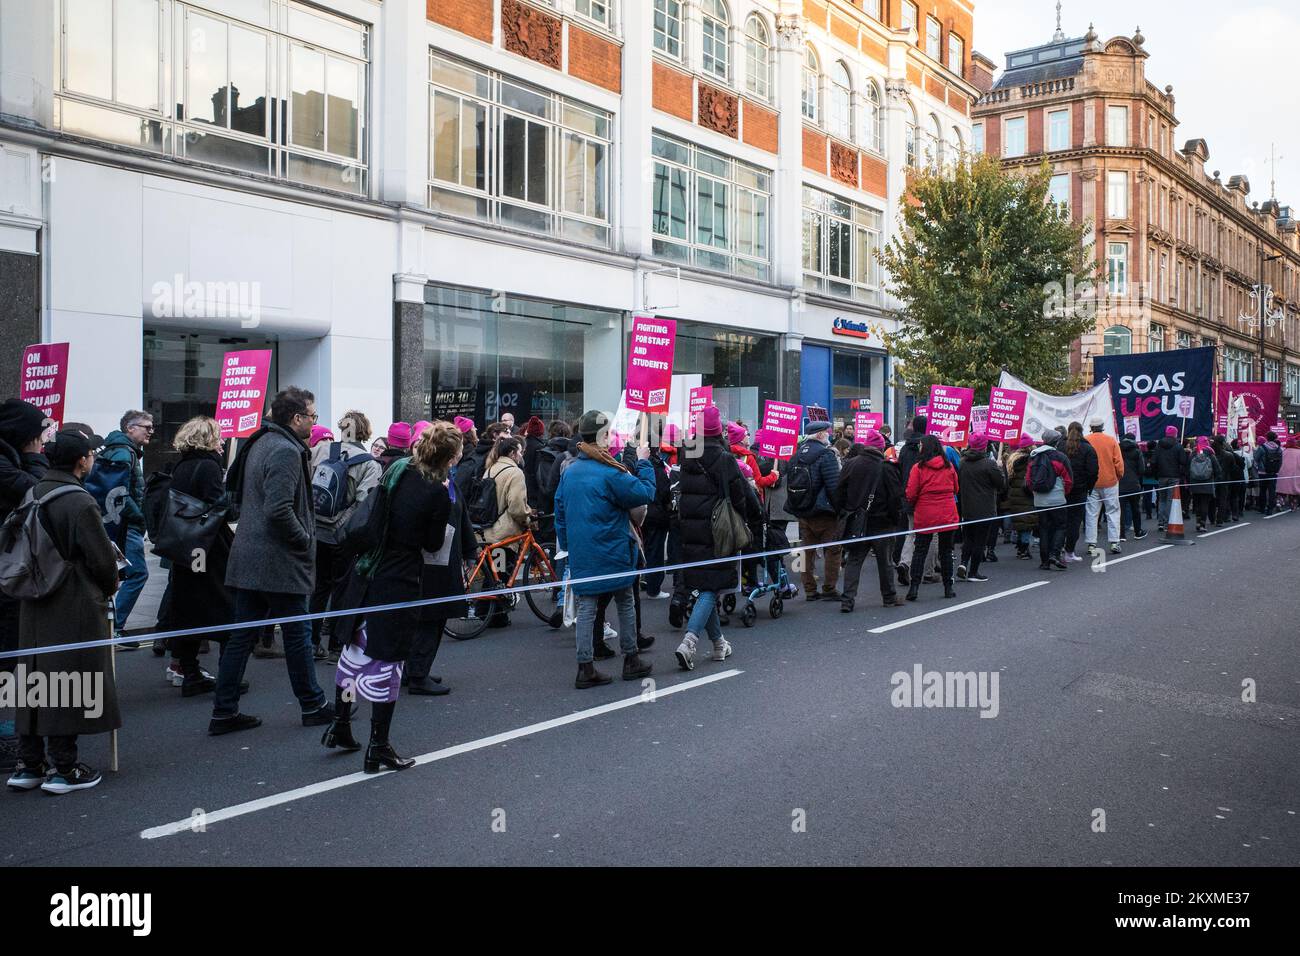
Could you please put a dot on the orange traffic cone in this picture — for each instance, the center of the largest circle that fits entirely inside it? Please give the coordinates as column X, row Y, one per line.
column 1174, row 529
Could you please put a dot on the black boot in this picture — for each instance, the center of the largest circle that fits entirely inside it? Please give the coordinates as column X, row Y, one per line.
column 913, row 590
column 380, row 753
column 588, row 676
column 339, row 733
column 948, row 590
column 634, row 668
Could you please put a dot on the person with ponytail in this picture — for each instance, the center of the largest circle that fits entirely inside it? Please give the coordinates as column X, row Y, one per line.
column 416, row 509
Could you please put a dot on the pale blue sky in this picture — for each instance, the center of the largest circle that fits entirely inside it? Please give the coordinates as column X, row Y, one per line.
column 1233, row 67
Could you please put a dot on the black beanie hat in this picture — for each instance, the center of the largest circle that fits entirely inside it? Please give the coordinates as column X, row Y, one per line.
column 20, row 422
column 591, row 424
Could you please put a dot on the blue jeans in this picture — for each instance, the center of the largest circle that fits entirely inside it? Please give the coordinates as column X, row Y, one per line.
column 255, row 606
column 587, row 604
column 704, row 617
column 136, row 576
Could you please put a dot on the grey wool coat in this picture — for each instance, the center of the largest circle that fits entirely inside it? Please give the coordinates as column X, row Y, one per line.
column 76, row 611
column 275, row 544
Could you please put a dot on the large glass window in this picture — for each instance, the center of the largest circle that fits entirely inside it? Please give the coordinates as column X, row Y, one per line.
column 841, row 103
column 508, row 152
column 277, row 88
column 956, row 54
column 1013, row 139
column 1238, row 364
column 875, row 121
column 1117, row 267
column 1117, row 126
column 710, row 210
column 933, row 47
column 840, row 242
column 808, row 101
column 1058, row 129
column 1291, row 386
column 715, row 33
column 668, row 27
column 743, row 367
column 1117, row 341
column 485, row 354
column 1059, row 192
column 758, row 57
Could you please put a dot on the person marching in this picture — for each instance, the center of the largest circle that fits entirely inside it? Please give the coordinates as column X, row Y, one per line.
column 982, row 482
column 870, row 495
column 932, row 493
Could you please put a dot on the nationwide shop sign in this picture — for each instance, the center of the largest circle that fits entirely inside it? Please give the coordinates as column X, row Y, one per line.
column 1254, row 401
column 780, row 432
column 650, row 363
column 45, row 380
column 949, row 418
column 1151, row 386
column 864, row 422
column 1006, row 414
column 241, row 395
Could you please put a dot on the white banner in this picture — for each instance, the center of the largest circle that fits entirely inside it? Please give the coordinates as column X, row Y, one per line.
column 1043, row 411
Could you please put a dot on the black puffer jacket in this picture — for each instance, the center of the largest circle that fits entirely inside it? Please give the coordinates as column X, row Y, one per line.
column 657, row 512
column 703, row 479
column 1135, row 467
column 1083, row 466
column 1170, row 459
column 19, row 473
column 981, row 482
column 864, row 469
column 908, row 456
column 470, row 467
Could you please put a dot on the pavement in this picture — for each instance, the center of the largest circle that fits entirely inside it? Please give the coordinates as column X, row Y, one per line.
column 1120, row 738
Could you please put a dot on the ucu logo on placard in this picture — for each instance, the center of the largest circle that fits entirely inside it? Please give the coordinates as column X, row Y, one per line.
column 1149, row 396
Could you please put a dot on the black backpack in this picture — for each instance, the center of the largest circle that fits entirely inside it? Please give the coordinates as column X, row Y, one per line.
column 1042, row 476
column 483, row 510
column 1272, row 458
column 800, row 487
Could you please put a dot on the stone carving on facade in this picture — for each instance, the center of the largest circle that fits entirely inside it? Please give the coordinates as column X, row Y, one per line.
column 719, row 111
column 896, row 90
column 789, row 31
column 531, row 33
column 844, row 164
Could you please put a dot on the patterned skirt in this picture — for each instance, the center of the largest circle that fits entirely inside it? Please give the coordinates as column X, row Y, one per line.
column 376, row 681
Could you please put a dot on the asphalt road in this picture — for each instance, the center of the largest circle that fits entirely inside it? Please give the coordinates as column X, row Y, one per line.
column 1119, row 693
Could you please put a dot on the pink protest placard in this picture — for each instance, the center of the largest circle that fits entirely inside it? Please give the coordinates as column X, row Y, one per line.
column 949, row 416
column 1133, row 425
column 780, row 432
column 242, row 392
column 700, row 399
column 864, row 422
column 650, row 363
column 45, row 380
column 1006, row 414
column 979, row 420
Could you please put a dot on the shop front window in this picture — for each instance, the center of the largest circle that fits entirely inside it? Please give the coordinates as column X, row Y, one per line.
column 486, row 353
column 857, row 384
column 743, row 367
column 181, row 373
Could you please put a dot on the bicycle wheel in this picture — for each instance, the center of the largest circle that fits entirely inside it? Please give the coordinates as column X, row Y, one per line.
column 545, row 602
column 475, row 620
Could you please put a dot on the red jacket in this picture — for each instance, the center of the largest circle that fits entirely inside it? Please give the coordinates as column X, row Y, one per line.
column 748, row 457
column 931, row 491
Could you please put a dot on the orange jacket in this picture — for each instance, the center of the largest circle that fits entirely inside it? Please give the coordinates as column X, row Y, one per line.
column 1110, row 461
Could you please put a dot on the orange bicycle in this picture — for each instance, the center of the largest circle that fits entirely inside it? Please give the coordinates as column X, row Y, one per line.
column 534, row 566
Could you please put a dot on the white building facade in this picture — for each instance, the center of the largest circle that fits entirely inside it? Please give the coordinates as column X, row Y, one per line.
column 428, row 207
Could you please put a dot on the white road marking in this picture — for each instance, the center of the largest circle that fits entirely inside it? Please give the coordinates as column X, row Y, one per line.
column 955, row 607
column 347, row 780
column 1231, row 527
column 1276, row 514
column 1130, row 557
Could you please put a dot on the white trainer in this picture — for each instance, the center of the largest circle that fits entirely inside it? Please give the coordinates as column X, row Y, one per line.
column 610, row 633
column 721, row 649
column 686, row 652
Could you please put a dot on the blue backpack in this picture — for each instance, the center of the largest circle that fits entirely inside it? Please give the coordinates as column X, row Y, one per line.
column 330, row 496
column 111, row 484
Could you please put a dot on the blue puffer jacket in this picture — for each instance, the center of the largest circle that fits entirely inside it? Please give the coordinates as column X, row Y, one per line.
column 592, row 523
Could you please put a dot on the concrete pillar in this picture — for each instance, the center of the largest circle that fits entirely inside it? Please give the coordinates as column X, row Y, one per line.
column 402, row 106
column 636, row 164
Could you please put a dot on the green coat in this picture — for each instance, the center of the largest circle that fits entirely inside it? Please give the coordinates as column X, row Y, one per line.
column 77, row 611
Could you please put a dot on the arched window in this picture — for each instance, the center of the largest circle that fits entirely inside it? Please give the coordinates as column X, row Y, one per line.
column 934, row 144
column 758, row 57
column 668, row 27
column 1117, row 341
column 811, row 84
column 912, row 133
column 875, row 119
column 715, row 45
column 956, row 146
column 841, row 102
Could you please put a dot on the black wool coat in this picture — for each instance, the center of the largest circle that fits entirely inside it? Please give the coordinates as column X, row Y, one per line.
column 704, row 480
column 201, row 598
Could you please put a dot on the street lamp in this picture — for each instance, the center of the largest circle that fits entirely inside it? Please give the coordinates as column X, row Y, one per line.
column 1262, row 315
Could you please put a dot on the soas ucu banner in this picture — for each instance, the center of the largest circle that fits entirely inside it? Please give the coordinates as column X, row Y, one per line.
column 1148, row 387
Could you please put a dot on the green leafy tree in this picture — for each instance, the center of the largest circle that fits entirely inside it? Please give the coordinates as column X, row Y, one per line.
column 990, row 273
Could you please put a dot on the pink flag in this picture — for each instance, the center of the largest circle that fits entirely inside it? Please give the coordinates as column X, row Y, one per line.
column 650, row 363
column 45, row 380
column 1006, row 414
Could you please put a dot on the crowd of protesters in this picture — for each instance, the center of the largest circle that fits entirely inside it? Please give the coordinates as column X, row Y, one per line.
column 306, row 519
